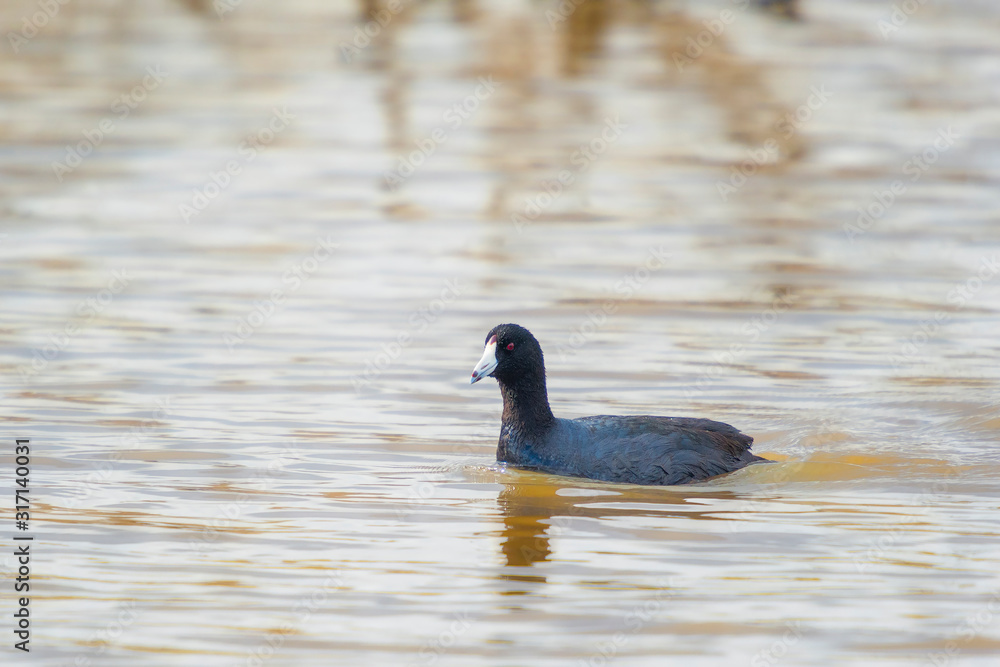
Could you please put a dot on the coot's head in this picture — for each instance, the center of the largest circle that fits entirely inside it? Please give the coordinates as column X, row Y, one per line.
column 511, row 354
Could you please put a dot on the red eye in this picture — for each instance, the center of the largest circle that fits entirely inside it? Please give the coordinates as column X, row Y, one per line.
column 510, row 346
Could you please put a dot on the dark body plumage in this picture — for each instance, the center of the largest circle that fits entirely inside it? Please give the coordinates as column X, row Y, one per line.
column 631, row 450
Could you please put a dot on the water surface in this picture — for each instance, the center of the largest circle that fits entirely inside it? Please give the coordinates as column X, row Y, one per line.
column 259, row 446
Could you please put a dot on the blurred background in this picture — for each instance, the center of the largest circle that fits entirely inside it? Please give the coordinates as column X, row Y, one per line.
column 251, row 250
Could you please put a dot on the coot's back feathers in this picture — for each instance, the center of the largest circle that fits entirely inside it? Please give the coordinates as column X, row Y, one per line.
column 728, row 438
column 662, row 450
column 637, row 450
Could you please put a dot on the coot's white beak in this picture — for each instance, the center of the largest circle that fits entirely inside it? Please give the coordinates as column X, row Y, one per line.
column 488, row 363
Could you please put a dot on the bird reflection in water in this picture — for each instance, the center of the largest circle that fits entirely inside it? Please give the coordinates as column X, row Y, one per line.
column 534, row 510
column 527, row 513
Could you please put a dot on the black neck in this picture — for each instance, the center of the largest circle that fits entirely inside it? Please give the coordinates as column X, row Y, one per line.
column 526, row 404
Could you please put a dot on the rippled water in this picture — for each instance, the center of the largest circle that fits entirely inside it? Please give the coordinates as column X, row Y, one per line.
column 253, row 436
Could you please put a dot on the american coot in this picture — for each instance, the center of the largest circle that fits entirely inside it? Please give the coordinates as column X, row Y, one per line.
column 632, row 450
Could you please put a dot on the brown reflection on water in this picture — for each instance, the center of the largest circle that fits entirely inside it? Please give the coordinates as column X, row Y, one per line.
column 537, row 503
column 733, row 82
column 524, row 538
column 539, row 117
column 585, row 28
